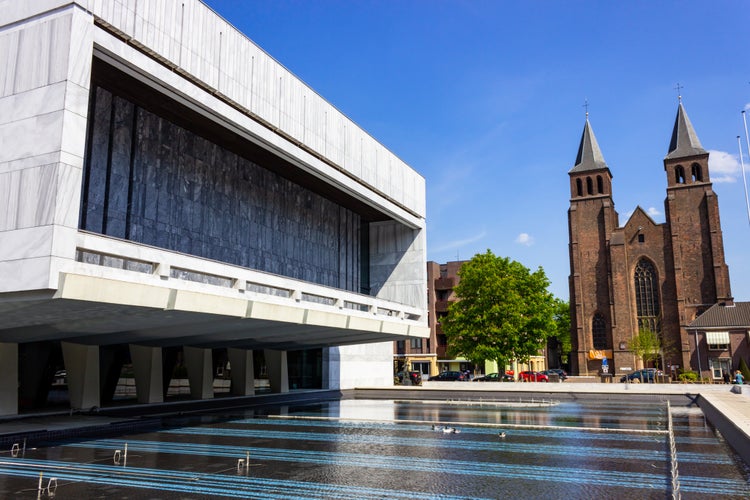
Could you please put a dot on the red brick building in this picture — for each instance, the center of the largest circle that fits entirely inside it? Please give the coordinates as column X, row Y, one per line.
column 721, row 335
column 643, row 274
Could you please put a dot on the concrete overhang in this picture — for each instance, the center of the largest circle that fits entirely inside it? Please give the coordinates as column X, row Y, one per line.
column 101, row 311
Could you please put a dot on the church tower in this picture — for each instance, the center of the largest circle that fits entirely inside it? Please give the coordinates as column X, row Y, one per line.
column 591, row 219
column 643, row 275
column 700, row 274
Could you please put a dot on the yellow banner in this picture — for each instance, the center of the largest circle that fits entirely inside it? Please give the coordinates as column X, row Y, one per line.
column 600, row 354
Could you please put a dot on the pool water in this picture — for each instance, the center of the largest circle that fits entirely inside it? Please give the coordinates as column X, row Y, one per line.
column 360, row 449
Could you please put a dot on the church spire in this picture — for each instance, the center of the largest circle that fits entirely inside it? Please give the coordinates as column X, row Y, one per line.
column 589, row 155
column 684, row 139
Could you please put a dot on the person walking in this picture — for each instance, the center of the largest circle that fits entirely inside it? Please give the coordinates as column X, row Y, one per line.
column 738, row 378
column 725, row 376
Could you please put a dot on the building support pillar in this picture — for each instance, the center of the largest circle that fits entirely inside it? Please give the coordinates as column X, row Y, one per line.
column 147, row 368
column 9, row 376
column 199, row 364
column 278, row 373
column 242, row 371
column 82, row 366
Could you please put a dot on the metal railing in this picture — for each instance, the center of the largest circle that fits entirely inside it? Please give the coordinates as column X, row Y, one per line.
column 673, row 456
column 104, row 251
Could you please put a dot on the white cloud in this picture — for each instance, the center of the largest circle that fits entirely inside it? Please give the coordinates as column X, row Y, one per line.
column 459, row 243
column 724, row 167
column 653, row 211
column 525, row 239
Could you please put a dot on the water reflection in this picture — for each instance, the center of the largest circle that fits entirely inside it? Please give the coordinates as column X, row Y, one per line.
column 389, row 449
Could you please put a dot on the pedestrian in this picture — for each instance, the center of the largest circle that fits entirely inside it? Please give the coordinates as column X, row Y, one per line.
column 725, row 376
column 738, row 378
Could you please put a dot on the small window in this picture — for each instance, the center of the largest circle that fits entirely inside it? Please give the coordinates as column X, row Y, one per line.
column 579, row 187
column 697, row 172
column 599, row 331
column 641, row 237
column 589, row 186
column 679, row 174
column 599, row 184
column 415, row 343
column 717, row 341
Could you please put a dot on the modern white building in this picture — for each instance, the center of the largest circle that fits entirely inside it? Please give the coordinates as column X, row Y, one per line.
column 169, row 193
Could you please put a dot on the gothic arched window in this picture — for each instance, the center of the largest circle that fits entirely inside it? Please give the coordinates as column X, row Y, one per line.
column 599, row 331
column 589, row 186
column 697, row 172
column 579, row 187
column 647, row 296
column 679, row 174
column 599, row 184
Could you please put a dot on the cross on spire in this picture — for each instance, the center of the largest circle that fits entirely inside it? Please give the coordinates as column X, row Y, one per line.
column 586, row 105
column 679, row 94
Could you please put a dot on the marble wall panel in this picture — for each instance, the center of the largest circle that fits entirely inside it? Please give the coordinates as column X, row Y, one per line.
column 68, row 202
column 36, row 201
column 46, row 43
column 31, row 242
column 153, row 182
column 397, row 255
column 10, row 192
column 31, row 137
column 25, row 274
column 39, row 101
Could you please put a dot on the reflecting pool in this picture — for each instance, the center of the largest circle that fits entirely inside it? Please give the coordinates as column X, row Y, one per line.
column 359, row 449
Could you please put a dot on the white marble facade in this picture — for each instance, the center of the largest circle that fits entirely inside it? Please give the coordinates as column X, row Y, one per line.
column 184, row 49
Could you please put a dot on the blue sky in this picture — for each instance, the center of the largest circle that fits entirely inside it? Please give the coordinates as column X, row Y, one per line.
column 486, row 100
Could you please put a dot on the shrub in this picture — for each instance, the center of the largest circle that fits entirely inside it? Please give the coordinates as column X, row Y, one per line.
column 688, row 376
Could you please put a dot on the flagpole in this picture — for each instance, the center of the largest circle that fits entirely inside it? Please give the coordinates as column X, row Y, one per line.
column 744, row 180
column 742, row 163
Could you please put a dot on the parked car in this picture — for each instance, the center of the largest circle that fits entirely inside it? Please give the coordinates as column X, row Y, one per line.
column 444, row 376
column 552, row 375
column 644, row 375
column 560, row 372
column 495, row 377
column 533, row 377
column 414, row 376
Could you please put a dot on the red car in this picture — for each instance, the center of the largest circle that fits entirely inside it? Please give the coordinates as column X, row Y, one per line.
column 533, row 377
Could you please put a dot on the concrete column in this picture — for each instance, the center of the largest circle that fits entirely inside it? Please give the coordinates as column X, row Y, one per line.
column 278, row 373
column 147, row 368
column 199, row 364
column 9, row 376
column 82, row 365
column 242, row 371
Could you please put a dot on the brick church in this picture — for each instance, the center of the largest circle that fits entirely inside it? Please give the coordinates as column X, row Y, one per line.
column 643, row 274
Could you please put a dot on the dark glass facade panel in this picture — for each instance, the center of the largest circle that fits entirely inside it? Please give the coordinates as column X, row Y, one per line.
column 150, row 181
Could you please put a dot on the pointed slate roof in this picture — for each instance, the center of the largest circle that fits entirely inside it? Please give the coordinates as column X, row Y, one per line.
column 684, row 139
column 721, row 316
column 589, row 155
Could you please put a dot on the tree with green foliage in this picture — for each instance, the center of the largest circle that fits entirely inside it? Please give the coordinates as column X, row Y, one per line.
column 646, row 345
column 503, row 311
column 561, row 335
